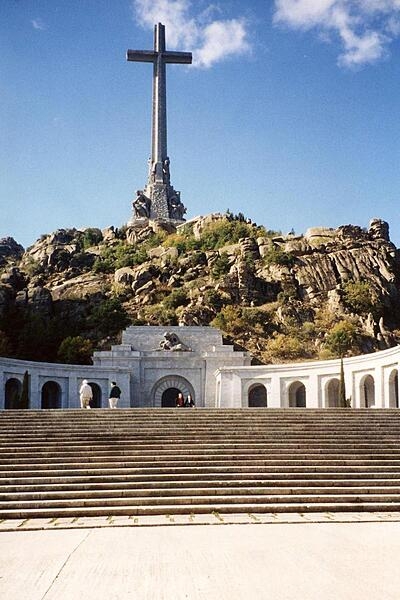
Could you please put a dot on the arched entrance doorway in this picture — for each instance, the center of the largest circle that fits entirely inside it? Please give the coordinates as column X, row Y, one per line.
column 332, row 393
column 367, row 392
column 297, row 395
column 257, row 396
column 51, row 395
column 13, row 390
column 168, row 398
column 96, row 400
column 166, row 390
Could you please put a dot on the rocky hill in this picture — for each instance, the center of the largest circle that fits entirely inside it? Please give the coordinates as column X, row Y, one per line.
column 327, row 293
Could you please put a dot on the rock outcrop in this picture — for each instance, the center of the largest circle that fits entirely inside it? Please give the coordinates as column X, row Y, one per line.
column 256, row 284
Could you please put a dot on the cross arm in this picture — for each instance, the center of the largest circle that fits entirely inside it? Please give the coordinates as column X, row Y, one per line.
column 141, row 55
column 183, row 58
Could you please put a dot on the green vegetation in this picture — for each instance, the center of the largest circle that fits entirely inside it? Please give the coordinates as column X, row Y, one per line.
column 176, row 298
column 75, row 350
column 341, row 338
column 91, row 237
column 108, row 317
column 221, row 266
column 276, row 256
column 119, row 255
column 360, row 297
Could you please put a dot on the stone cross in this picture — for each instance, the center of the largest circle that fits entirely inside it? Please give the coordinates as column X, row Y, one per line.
column 164, row 200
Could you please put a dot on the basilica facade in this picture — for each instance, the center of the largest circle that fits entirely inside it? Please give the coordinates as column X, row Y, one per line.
column 153, row 364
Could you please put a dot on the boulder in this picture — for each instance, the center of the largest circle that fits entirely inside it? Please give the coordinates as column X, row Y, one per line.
column 143, row 275
column 203, row 222
column 379, row 230
column 124, row 276
column 14, row 278
column 10, row 249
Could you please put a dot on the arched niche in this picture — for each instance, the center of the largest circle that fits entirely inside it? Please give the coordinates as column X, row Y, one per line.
column 257, row 396
column 12, row 390
column 367, row 392
column 332, row 389
column 51, row 395
column 394, row 389
column 297, row 395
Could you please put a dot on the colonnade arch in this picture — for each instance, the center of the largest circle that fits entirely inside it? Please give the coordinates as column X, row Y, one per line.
column 297, row 395
column 332, row 393
column 394, row 389
column 51, row 396
column 257, row 396
column 367, row 392
column 13, row 390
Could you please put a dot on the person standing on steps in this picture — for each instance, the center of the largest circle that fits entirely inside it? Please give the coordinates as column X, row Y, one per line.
column 115, row 394
column 180, row 401
column 189, row 402
column 85, row 394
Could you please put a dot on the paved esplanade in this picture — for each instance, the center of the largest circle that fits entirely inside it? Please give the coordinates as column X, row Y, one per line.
column 292, row 561
column 159, row 199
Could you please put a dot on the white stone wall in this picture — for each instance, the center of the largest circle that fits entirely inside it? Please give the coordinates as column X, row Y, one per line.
column 378, row 371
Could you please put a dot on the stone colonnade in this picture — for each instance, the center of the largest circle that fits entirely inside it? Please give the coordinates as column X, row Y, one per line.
column 57, row 386
column 212, row 378
column 371, row 381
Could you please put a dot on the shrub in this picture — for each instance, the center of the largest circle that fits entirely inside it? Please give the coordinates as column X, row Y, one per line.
column 277, row 256
column 221, row 266
column 360, row 297
column 285, row 347
column 119, row 255
column 341, row 338
column 75, row 350
column 108, row 317
column 176, row 298
column 91, row 237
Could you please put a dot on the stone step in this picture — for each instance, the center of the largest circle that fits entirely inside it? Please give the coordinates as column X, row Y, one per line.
column 141, row 463
column 190, row 501
column 135, row 461
column 197, row 483
column 185, row 470
column 217, row 509
column 127, row 446
column 187, row 479
column 177, row 491
column 200, row 456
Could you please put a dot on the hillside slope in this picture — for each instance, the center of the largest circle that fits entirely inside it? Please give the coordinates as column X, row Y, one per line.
column 326, row 293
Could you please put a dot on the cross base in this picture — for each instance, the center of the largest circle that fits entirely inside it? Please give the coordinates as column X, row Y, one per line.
column 158, row 202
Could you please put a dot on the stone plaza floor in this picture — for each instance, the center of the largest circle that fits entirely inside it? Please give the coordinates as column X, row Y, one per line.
column 324, row 556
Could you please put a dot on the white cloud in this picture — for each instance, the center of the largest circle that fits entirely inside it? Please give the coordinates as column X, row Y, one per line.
column 209, row 39
column 365, row 28
column 38, row 24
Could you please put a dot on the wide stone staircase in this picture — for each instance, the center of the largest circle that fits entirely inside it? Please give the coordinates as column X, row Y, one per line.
column 66, row 463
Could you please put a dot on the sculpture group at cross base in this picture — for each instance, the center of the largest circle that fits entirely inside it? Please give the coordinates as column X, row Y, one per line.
column 142, row 205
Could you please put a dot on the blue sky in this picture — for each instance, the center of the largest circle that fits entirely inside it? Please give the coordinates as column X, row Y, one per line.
column 289, row 114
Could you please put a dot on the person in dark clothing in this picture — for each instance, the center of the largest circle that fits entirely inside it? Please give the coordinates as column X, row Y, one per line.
column 115, row 394
column 180, row 401
column 189, row 402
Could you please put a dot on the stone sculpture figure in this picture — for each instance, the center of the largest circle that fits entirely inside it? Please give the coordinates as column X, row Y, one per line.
column 141, row 205
column 176, row 208
column 172, row 342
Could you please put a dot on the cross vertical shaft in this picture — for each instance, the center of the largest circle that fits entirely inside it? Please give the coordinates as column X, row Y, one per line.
column 159, row 124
